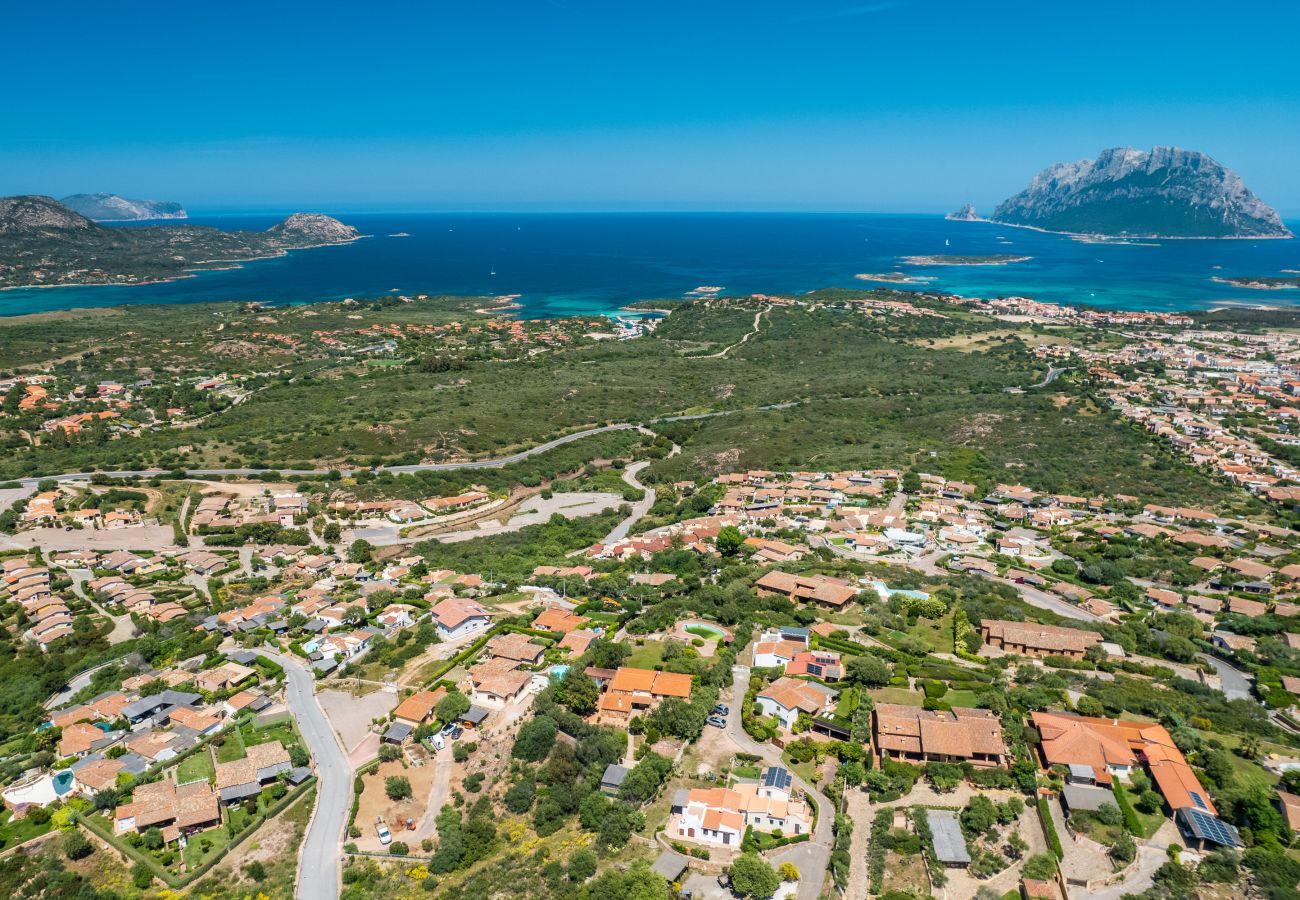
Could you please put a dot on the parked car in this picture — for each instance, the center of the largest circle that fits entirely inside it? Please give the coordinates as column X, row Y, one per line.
column 716, row 721
column 385, row 836
column 456, row 733
column 438, row 742
column 448, row 729
column 721, row 710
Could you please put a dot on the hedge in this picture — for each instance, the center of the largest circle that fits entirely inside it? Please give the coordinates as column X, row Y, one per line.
column 1049, row 828
column 1131, row 820
column 880, row 827
column 762, row 841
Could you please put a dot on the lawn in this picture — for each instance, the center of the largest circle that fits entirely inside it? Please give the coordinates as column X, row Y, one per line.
column 902, row 696
column 196, row 767
column 195, row 854
column 280, row 731
column 14, row 833
column 647, row 656
column 961, row 698
column 233, row 747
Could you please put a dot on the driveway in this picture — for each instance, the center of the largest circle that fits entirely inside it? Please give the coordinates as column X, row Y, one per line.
column 1236, row 683
column 318, row 859
column 811, row 857
column 428, row 828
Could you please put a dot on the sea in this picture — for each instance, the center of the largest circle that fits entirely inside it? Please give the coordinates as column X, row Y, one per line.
column 562, row 264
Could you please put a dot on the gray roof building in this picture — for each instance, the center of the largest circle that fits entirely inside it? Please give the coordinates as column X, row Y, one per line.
column 949, row 842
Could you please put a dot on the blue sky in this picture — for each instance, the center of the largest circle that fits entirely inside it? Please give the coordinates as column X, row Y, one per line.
column 897, row 105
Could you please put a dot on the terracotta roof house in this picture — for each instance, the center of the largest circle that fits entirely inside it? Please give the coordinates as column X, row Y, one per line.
column 1113, row 748
column 1032, row 639
column 1244, row 607
column 832, row 592
column 959, row 735
column 176, row 810
column 80, row 738
column 577, row 642
column 560, row 621
column 787, row 697
column 245, row 777
column 517, row 647
column 631, row 691
column 495, row 689
column 419, row 707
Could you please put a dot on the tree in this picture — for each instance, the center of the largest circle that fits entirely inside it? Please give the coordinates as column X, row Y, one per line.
column 519, row 799
column 75, row 845
column 578, row 692
column 331, row 533
column 752, row 877
column 389, row 753
column 397, row 787
column 868, row 671
column 1124, row 850
column 298, row 757
column 361, row 551
column 1089, row 706
column 582, row 865
column 729, row 540
column 535, row 739
column 1040, row 867
column 911, row 483
column 141, row 876
column 1108, row 814
column 452, row 707
column 788, row 871
column 979, row 816
column 153, row 839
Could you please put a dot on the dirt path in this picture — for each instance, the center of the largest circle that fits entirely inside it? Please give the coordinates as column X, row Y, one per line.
column 747, row 335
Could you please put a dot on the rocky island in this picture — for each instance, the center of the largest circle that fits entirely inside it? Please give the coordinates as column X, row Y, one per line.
column 45, row 243
column 1164, row 193
column 112, row 208
column 965, row 214
column 995, row 259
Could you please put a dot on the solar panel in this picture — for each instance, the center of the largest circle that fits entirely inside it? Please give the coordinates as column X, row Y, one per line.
column 1212, row 828
column 1198, row 800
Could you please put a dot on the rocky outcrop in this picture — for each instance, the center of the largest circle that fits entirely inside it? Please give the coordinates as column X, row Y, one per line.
column 37, row 215
column 312, row 229
column 1124, row 192
column 112, row 208
column 965, row 214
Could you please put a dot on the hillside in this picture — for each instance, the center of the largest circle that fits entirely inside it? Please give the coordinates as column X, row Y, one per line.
column 1167, row 192
column 112, row 208
column 43, row 242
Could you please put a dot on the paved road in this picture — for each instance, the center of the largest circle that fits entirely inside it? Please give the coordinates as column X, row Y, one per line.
column 421, row 467
column 319, row 856
column 812, row 857
column 1235, row 683
column 642, row 507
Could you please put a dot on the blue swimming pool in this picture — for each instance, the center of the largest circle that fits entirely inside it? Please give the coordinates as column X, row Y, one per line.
column 62, row 782
column 558, row 672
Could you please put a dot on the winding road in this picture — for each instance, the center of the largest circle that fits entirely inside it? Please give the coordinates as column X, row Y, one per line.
column 496, row 463
column 812, row 856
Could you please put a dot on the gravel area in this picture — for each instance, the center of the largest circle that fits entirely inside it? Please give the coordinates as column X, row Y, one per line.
column 351, row 715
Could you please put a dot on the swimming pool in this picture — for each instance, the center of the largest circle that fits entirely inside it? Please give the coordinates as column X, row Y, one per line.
column 885, row 591
column 703, row 629
column 558, row 672
column 62, row 782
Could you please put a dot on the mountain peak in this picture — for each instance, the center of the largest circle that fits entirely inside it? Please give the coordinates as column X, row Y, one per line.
column 37, row 214
column 1164, row 192
column 112, row 208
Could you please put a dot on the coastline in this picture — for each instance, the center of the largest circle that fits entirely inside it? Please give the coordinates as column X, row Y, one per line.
column 185, row 273
column 1114, row 238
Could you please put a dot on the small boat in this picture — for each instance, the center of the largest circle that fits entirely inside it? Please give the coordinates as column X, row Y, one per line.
column 945, row 242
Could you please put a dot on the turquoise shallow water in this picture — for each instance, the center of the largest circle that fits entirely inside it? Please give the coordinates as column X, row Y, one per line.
column 564, row 264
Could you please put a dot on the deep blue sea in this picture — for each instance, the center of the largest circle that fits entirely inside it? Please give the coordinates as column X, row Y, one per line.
column 592, row 263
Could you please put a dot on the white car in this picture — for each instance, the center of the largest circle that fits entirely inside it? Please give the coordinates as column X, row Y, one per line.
column 385, row 836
